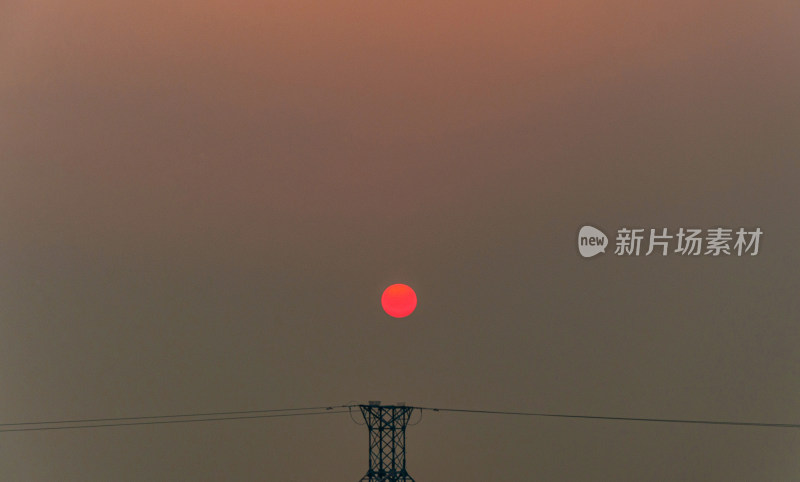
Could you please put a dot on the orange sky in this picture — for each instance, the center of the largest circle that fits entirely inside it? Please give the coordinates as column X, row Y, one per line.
column 201, row 203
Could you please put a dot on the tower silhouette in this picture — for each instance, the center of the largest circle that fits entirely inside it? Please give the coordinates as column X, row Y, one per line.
column 387, row 442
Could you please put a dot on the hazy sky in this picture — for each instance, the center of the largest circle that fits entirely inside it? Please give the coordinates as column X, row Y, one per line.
column 201, row 203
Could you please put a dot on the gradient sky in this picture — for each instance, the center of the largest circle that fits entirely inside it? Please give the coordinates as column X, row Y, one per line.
column 201, row 203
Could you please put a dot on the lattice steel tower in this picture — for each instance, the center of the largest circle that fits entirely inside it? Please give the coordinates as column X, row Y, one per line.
column 387, row 441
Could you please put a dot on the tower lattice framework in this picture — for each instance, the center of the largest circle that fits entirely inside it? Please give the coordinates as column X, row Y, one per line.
column 387, row 442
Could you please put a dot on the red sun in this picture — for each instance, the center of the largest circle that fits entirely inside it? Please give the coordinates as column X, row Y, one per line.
column 399, row 300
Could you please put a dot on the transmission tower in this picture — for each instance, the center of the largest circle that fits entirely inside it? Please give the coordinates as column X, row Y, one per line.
column 387, row 442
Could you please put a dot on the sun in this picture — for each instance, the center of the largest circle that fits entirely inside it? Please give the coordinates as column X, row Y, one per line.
column 399, row 300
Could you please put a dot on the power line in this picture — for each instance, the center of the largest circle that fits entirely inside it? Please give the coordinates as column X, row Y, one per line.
column 179, row 415
column 627, row 419
column 330, row 409
column 156, row 422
